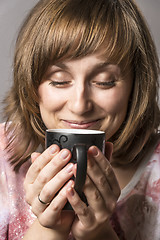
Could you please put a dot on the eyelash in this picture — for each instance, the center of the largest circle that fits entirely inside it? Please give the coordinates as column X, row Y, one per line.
column 111, row 83
column 55, row 83
column 107, row 84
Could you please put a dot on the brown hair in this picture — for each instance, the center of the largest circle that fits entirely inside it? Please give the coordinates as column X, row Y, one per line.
column 60, row 29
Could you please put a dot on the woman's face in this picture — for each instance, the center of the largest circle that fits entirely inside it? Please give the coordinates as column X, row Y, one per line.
column 86, row 93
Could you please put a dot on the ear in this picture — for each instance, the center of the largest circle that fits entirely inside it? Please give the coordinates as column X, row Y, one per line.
column 108, row 150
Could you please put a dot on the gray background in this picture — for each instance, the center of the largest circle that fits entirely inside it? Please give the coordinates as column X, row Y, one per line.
column 12, row 13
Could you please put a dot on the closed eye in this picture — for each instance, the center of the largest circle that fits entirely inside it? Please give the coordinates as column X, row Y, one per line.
column 105, row 84
column 111, row 83
column 60, row 83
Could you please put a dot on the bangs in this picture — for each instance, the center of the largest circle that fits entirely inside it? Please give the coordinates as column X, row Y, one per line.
column 73, row 30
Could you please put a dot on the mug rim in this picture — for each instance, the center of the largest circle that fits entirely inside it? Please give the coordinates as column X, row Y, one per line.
column 75, row 131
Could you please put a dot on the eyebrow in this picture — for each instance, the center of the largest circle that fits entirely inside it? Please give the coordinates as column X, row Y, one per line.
column 98, row 66
column 60, row 65
column 101, row 66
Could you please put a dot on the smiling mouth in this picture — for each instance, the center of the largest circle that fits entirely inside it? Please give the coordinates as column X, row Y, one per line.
column 80, row 124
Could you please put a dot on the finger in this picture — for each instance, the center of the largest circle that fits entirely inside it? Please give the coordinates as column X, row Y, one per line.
column 34, row 156
column 75, row 169
column 52, row 168
column 100, row 199
column 106, row 168
column 100, row 181
column 55, row 184
column 40, row 162
column 44, row 176
column 84, row 214
column 50, row 215
column 58, row 201
column 93, row 195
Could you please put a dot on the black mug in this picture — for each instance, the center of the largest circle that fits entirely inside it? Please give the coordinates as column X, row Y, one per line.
column 77, row 141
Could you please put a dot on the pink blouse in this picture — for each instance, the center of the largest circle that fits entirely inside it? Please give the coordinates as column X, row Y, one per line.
column 137, row 215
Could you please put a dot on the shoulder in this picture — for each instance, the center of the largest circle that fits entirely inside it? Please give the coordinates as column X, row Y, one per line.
column 5, row 166
column 3, row 144
column 155, row 156
column 4, row 209
column 153, row 153
column 4, row 155
column 3, row 137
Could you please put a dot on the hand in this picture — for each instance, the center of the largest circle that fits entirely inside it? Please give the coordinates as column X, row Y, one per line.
column 48, row 177
column 102, row 191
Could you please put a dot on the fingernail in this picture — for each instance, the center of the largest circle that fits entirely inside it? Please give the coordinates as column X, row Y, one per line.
column 70, row 184
column 69, row 167
column 53, row 149
column 71, row 191
column 94, row 151
column 64, row 154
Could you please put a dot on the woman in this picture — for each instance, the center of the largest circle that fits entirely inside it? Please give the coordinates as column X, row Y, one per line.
column 89, row 65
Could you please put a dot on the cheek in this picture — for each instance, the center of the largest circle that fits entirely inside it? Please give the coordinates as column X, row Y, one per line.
column 115, row 107
column 49, row 100
column 116, row 102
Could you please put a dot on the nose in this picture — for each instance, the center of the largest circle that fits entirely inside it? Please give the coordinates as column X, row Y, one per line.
column 80, row 101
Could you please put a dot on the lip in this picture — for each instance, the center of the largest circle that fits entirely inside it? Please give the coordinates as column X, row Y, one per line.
column 80, row 124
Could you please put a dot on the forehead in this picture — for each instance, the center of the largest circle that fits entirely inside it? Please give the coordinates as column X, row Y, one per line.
column 98, row 60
